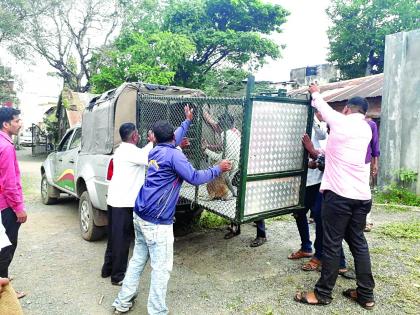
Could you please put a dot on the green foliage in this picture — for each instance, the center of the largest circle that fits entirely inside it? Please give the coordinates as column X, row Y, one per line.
column 406, row 176
column 197, row 43
column 7, row 94
column 210, row 220
column 224, row 31
column 151, row 58
column 394, row 194
column 357, row 36
column 408, row 230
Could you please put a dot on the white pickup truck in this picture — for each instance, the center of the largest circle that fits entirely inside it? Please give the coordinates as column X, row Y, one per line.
column 82, row 164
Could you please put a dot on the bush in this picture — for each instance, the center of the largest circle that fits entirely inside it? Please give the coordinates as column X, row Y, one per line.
column 394, row 194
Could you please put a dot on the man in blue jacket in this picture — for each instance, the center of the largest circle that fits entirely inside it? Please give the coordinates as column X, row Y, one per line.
column 154, row 215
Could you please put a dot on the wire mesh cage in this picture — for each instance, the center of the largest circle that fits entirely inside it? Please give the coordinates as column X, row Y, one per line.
column 261, row 136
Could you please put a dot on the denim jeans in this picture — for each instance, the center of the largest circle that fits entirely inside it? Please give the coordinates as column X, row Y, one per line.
column 154, row 241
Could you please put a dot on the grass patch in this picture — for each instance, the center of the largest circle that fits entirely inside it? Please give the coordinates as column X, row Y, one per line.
column 282, row 218
column 407, row 230
column 210, row 220
column 397, row 195
column 392, row 208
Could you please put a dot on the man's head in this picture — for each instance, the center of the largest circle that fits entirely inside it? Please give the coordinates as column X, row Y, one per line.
column 163, row 131
column 356, row 104
column 10, row 122
column 226, row 121
column 129, row 133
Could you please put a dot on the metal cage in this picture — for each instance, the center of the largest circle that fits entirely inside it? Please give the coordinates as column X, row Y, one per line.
column 261, row 135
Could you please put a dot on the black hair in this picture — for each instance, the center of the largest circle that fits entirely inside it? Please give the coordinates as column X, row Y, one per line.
column 126, row 130
column 6, row 114
column 226, row 121
column 163, row 130
column 359, row 102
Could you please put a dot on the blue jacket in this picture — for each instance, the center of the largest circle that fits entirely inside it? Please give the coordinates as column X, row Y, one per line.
column 168, row 168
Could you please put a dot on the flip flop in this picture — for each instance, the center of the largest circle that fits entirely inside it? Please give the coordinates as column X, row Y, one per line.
column 299, row 254
column 312, row 265
column 258, row 241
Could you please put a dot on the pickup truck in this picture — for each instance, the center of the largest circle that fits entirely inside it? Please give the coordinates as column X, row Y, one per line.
column 81, row 165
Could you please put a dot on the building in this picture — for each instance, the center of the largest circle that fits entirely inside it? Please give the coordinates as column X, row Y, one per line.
column 320, row 74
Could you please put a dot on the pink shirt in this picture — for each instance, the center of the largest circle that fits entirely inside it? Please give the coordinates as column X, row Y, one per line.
column 346, row 172
column 10, row 186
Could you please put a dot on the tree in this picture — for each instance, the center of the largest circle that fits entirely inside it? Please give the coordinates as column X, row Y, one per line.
column 7, row 93
column 66, row 34
column 357, row 36
column 150, row 57
column 225, row 33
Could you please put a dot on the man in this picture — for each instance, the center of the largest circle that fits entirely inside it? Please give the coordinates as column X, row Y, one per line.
column 154, row 215
column 347, row 201
column 129, row 163
column 312, row 196
column 129, row 172
column 11, row 198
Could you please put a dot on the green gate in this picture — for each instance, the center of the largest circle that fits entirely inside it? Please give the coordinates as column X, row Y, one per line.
column 261, row 135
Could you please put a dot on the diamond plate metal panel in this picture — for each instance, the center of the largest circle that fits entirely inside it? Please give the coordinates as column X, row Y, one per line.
column 275, row 139
column 271, row 194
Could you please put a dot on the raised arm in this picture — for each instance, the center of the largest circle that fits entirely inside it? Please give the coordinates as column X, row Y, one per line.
column 182, row 130
column 330, row 116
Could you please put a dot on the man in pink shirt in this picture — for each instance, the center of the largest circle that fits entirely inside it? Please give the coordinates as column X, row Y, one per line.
column 346, row 201
column 11, row 199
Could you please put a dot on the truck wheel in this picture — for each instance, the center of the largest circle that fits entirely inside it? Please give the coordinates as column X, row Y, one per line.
column 90, row 232
column 186, row 219
column 47, row 190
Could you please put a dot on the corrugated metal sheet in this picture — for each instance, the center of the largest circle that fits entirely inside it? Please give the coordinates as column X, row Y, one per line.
column 370, row 86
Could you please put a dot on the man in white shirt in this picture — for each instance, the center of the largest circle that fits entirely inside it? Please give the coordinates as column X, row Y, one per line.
column 128, row 177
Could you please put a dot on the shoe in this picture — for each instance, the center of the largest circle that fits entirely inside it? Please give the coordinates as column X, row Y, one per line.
column 119, row 283
column 258, row 241
column 105, row 272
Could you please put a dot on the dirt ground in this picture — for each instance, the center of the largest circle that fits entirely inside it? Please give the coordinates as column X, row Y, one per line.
column 61, row 272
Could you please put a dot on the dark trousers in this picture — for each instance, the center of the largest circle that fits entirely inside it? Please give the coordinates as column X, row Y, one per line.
column 8, row 218
column 344, row 218
column 120, row 231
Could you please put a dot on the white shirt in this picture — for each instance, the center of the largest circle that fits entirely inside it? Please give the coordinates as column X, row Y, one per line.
column 129, row 173
column 319, row 132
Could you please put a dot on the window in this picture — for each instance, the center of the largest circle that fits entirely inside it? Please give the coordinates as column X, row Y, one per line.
column 65, row 142
column 77, row 138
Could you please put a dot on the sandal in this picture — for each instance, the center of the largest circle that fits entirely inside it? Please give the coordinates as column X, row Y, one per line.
column 302, row 297
column 312, row 265
column 368, row 227
column 347, row 273
column 258, row 241
column 299, row 254
column 352, row 295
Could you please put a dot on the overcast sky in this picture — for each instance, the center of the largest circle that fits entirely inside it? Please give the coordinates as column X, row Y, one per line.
column 304, row 35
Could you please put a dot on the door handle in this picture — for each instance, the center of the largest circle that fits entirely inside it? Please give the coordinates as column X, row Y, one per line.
column 71, row 161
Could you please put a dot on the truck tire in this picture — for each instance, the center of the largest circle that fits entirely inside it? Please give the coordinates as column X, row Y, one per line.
column 90, row 232
column 47, row 191
column 186, row 219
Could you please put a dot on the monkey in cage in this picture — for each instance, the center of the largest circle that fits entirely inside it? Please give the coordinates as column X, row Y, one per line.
column 229, row 149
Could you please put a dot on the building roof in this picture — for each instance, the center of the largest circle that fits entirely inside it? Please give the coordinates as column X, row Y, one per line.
column 370, row 86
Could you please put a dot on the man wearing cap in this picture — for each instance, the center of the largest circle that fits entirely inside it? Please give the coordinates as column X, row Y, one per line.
column 346, row 201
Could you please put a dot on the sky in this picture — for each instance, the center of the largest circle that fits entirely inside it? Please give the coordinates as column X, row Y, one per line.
column 304, row 35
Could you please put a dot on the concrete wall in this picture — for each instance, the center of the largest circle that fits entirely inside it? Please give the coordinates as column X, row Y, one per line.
column 400, row 117
column 326, row 74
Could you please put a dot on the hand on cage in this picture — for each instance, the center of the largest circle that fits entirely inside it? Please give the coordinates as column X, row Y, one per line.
column 151, row 136
column 225, row 165
column 184, row 143
column 188, row 112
